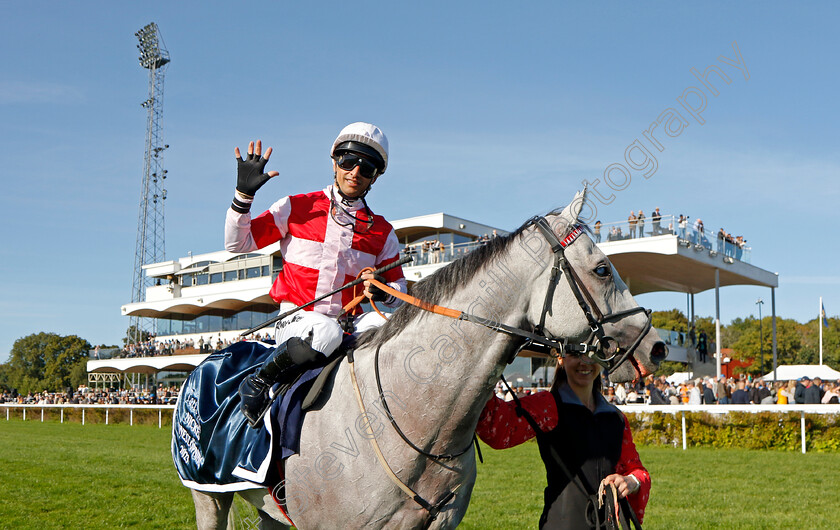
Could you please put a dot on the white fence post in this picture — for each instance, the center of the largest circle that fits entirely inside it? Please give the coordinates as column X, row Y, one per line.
column 62, row 414
column 83, row 416
column 42, row 415
column 106, row 416
column 131, row 416
column 683, row 430
column 802, row 422
column 24, row 414
column 160, row 418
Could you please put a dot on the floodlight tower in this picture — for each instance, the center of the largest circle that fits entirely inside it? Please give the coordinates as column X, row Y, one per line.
column 150, row 225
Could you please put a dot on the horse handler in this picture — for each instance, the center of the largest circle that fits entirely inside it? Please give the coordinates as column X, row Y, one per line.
column 585, row 444
column 326, row 238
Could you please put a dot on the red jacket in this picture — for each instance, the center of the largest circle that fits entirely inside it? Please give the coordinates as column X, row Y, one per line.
column 500, row 427
column 319, row 254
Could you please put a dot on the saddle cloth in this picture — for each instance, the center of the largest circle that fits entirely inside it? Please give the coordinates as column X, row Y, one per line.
column 213, row 447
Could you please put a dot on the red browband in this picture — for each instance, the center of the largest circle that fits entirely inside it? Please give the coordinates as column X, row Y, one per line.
column 569, row 239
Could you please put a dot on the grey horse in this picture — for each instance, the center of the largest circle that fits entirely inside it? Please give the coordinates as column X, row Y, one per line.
column 436, row 373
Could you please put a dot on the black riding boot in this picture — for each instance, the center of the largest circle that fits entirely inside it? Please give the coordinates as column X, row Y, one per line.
column 284, row 365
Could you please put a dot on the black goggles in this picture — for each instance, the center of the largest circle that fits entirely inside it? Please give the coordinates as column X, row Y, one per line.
column 347, row 161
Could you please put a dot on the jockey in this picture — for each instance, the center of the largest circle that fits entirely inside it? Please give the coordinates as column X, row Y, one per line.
column 326, row 238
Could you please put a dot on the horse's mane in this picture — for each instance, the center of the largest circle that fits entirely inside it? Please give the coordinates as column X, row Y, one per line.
column 443, row 282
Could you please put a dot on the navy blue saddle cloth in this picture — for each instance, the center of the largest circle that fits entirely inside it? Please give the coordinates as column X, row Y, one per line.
column 213, row 446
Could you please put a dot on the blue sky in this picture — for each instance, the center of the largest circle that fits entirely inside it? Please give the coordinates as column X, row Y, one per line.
column 495, row 111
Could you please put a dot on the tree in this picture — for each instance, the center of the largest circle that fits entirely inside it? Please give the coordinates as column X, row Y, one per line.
column 45, row 361
column 673, row 319
column 810, row 352
column 745, row 334
column 79, row 375
column 4, row 378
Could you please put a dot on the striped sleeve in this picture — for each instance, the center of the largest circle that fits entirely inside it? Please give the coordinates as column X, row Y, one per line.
column 243, row 234
column 394, row 277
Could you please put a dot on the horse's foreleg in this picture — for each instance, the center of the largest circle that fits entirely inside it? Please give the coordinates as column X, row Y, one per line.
column 211, row 509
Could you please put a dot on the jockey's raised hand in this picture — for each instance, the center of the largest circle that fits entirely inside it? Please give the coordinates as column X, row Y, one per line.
column 250, row 175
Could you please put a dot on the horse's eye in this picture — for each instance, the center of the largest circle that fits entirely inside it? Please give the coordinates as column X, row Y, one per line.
column 603, row 270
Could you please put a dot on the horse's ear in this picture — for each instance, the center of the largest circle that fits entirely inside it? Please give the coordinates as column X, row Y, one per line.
column 571, row 213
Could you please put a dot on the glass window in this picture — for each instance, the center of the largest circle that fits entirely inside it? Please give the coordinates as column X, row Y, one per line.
column 230, row 276
column 252, row 272
column 214, row 323
column 216, row 277
column 201, row 279
column 175, row 326
column 243, row 320
column 201, row 324
column 265, row 271
column 162, row 326
column 188, row 326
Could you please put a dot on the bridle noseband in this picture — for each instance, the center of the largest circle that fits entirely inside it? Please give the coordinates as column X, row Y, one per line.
column 600, row 347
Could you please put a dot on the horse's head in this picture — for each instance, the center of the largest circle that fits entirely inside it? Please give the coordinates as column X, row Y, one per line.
column 603, row 320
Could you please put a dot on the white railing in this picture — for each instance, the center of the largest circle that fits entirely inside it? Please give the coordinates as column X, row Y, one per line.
column 108, row 408
column 726, row 409
column 627, row 409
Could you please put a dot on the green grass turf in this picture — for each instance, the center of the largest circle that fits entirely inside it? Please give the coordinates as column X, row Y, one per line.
column 112, row 476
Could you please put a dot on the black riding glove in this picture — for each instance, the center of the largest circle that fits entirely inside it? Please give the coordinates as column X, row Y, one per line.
column 377, row 294
column 250, row 176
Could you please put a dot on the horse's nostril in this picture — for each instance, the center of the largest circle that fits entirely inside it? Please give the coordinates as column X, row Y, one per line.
column 659, row 352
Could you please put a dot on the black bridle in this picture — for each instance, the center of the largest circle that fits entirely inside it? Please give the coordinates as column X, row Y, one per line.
column 600, row 347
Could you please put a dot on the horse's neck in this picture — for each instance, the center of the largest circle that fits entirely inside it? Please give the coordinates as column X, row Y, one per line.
column 448, row 366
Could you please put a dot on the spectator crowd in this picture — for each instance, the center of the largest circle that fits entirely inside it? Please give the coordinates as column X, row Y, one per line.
column 725, row 391
column 639, row 225
column 708, row 391
column 154, row 348
column 84, row 395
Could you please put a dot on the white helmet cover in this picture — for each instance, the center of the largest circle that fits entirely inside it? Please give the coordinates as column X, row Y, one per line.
column 365, row 133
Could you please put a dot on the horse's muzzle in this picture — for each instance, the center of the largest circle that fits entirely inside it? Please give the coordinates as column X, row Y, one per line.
column 658, row 352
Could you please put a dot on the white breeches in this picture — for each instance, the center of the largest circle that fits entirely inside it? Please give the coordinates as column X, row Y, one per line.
column 325, row 332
